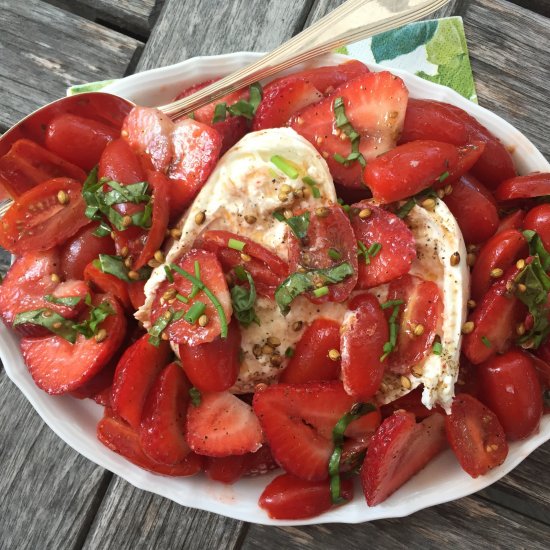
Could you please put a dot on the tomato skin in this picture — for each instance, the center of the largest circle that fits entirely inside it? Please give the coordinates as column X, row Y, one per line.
column 289, row 497
column 105, row 282
column 332, row 229
column 27, row 164
column 409, row 169
column 511, row 389
column 22, row 230
column 501, row 251
column 213, row 366
column 524, row 187
column 310, row 360
column 474, row 208
column 81, row 249
column 476, row 436
column 119, row 163
column 512, row 221
column 538, row 219
column 137, row 294
column 364, row 332
column 468, row 155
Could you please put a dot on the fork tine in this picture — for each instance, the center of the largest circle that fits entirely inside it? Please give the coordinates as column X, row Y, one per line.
column 5, row 205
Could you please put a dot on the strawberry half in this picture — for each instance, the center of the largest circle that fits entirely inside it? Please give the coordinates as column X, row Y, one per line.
column 398, row 450
column 298, row 421
column 222, row 425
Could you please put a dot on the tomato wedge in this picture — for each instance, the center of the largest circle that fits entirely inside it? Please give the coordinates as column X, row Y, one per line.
column 512, row 221
column 38, row 220
column 538, row 219
column 119, row 163
column 524, row 187
column 105, row 282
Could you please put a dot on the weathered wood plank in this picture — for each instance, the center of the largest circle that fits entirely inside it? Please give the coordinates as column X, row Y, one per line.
column 131, row 518
column 510, row 53
column 208, row 27
column 48, row 492
column 45, row 49
column 468, row 523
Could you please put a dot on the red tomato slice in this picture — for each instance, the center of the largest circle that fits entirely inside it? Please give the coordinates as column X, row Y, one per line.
column 329, row 228
column 474, row 208
column 396, row 239
column 499, row 252
column 512, row 221
column 137, row 294
column 468, row 155
column 122, row 439
column 409, row 169
column 162, row 431
column 475, row 435
column 524, row 187
column 38, row 221
column 428, row 119
column 105, row 282
column 289, row 497
column 79, row 140
column 311, row 361
column 374, row 104
column 538, row 219
column 510, row 387
column 81, row 249
column 211, row 274
column 364, row 332
column 27, row 164
column 213, row 366
column 423, row 306
column 119, row 163
column 57, row 366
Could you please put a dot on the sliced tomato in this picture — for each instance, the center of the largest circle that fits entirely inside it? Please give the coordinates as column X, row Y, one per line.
column 364, row 333
column 409, row 169
column 397, row 251
column 78, row 139
column 422, row 307
column 105, row 282
column 137, row 293
column 213, row 366
column 499, row 252
column 475, row 435
column 38, row 221
column 512, row 221
column 136, row 372
column 289, row 497
column 211, row 274
column 83, row 248
column 510, row 387
column 374, row 104
column 115, row 434
column 538, row 220
column 474, row 208
column 27, row 164
column 119, row 163
column 524, row 187
column 495, row 319
column 329, row 229
column 429, row 119
column 57, row 366
column 399, row 450
column 311, row 360
column 468, row 155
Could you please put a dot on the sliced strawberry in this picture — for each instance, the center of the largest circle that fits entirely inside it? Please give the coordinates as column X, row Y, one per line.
column 412, row 402
column 136, row 373
column 374, row 104
column 396, row 240
column 162, row 432
column 298, row 421
column 289, row 497
column 122, row 439
column 400, row 449
column 222, row 425
column 57, row 366
column 98, row 388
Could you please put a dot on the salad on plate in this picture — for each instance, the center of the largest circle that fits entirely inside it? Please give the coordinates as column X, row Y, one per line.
column 322, row 276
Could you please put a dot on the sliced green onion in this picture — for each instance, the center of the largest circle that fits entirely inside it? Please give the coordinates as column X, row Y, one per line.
column 289, row 352
column 220, row 112
column 240, row 272
column 389, row 346
column 195, row 289
column 323, row 291
column 155, row 332
column 284, row 166
column 486, row 341
column 391, row 303
column 443, row 177
column 169, row 275
column 236, row 245
column 309, row 181
column 339, row 158
column 403, row 212
column 279, row 216
column 194, row 312
column 182, row 298
column 437, row 348
column 195, row 395
column 334, row 254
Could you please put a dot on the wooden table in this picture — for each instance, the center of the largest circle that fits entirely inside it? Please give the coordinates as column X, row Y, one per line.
column 51, row 497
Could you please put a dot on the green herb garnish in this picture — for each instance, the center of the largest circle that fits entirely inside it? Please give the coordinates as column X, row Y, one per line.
column 195, row 395
column 155, row 332
column 284, row 166
column 248, row 108
column 345, row 126
column 389, row 346
column 368, row 253
column 114, row 265
column 443, row 177
column 48, row 319
column 289, row 352
column 313, row 185
column 437, row 348
column 536, row 248
column 69, row 301
column 322, row 291
column 243, row 300
column 334, row 254
column 220, row 112
column 194, row 312
column 236, row 245
column 486, row 341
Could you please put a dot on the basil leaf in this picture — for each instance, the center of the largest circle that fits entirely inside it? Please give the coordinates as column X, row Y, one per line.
column 536, row 248
column 69, row 301
column 103, row 229
column 220, row 112
column 298, row 283
column 50, row 320
column 97, row 315
column 243, row 300
column 242, row 108
column 114, row 265
column 256, row 93
column 155, row 332
column 195, row 395
column 135, row 193
column 299, row 224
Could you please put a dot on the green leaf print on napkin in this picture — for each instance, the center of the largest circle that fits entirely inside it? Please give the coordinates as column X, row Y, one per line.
column 390, row 44
column 448, row 50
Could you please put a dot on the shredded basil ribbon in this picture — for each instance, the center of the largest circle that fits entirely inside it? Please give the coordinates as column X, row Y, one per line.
column 299, row 225
column 345, row 126
column 195, row 395
column 243, row 300
column 368, row 253
column 357, row 411
column 114, row 265
column 419, row 197
column 389, row 346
